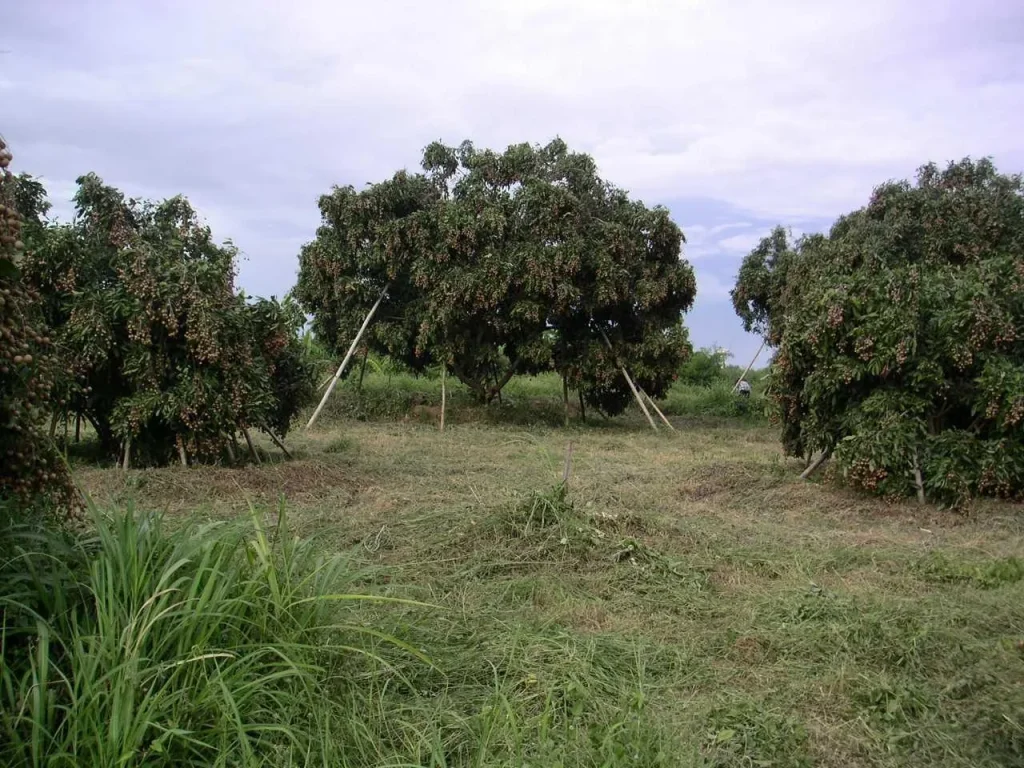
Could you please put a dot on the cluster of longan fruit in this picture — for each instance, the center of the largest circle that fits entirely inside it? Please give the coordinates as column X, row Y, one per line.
column 29, row 466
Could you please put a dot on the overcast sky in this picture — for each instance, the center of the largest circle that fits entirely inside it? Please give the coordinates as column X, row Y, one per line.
column 735, row 114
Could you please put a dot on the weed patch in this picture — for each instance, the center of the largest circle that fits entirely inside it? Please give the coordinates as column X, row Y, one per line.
column 942, row 568
column 746, row 733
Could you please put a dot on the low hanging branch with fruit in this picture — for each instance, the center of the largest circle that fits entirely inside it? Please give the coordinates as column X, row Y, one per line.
column 32, row 473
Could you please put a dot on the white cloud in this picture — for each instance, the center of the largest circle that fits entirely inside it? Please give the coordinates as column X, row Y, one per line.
column 790, row 108
column 740, row 242
column 778, row 111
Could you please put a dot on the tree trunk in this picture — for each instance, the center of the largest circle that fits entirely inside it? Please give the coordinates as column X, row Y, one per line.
column 477, row 388
column 565, row 398
column 496, row 390
column 252, row 448
column 444, row 369
column 816, row 464
column 277, row 441
column 362, row 370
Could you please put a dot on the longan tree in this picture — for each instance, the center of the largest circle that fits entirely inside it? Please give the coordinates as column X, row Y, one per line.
column 162, row 355
column 500, row 264
column 33, row 475
column 902, row 338
column 761, row 285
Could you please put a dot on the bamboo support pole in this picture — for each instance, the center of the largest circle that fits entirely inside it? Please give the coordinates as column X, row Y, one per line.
column 632, row 386
column 656, row 408
column 744, row 374
column 348, row 356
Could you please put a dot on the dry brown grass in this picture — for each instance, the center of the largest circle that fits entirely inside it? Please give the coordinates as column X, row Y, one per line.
column 758, row 592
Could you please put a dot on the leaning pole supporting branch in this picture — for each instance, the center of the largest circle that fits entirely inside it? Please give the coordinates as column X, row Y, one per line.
column 348, row 356
column 754, row 360
column 632, row 386
column 277, row 441
column 658, row 410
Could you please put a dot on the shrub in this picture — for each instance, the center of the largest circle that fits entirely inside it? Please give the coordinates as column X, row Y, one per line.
column 161, row 354
column 704, row 368
column 899, row 336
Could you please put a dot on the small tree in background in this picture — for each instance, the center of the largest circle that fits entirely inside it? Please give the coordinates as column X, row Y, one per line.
column 900, row 337
column 706, row 367
column 761, row 286
column 161, row 354
column 505, row 263
column 33, row 475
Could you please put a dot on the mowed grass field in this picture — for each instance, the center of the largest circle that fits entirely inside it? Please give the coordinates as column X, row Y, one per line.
column 685, row 600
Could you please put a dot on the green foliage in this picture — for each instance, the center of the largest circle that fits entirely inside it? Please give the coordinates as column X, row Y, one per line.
column 987, row 574
column 704, row 368
column 901, row 346
column 760, row 293
column 746, row 732
column 160, row 351
column 208, row 645
column 32, row 474
column 504, row 263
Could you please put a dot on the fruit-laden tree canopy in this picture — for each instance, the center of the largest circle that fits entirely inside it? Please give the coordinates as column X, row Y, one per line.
column 902, row 337
column 759, row 294
column 33, row 475
column 159, row 349
column 504, row 263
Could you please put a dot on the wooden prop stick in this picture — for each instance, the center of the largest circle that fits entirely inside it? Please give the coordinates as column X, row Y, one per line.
column 348, row 356
column 444, row 369
column 815, row 464
column 656, row 408
column 182, row 456
column 277, row 441
column 744, row 374
column 252, row 448
column 127, row 453
column 632, row 386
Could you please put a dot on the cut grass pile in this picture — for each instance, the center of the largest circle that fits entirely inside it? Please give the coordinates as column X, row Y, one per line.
column 686, row 601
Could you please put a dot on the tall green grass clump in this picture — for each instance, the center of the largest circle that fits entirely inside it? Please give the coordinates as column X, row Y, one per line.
column 206, row 645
